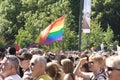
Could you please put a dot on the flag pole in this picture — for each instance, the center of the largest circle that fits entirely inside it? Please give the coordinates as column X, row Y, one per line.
column 80, row 24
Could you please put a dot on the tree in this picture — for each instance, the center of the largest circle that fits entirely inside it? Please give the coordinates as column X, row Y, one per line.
column 5, row 29
column 108, row 38
column 109, row 10
column 94, row 38
column 9, row 9
column 2, row 42
column 19, row 20
column 45, row 12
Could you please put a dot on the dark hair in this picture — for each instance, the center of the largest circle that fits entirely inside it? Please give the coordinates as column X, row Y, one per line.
column 25, row 56
column 71, row 58
column 12, row 51
column 60, row 58
column 48, row 59
column 2, row 55
column 2, row 49
column 86, row 67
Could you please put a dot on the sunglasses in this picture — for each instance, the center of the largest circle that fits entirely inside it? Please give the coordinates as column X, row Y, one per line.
column 111, row 69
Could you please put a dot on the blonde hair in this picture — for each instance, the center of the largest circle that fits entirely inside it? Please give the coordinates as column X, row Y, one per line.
column 53, row 70
column 98, row 58
column 113, row 61
column 67, row 65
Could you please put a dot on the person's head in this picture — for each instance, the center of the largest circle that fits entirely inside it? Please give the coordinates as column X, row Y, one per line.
column 113, row 68
column 35, row 51
column 53, row 70
column 37, row 65
column 61, row 57
column 71, row 58
column 12, row 51
column 23, row 50
column 67, row 65
column 25, row 60
column 25, row 56
column 3, row 50
column 96, row 63
column 10, row 64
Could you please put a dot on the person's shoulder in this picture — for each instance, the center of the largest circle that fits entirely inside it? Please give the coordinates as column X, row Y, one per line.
column 44, row 77
column 9, row 78
column 68, row 77
column 13, row 77
column 101, row 78
column 88, row 73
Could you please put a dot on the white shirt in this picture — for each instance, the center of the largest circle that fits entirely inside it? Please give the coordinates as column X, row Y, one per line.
column 13, row 77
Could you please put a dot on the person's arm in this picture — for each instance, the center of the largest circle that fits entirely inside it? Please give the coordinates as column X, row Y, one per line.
column 78, row 72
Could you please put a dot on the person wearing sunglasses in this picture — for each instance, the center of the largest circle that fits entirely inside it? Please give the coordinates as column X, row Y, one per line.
column 25, row 58
column 37, row 68
column 96, row 64
column 9, row 68
column 113, row 67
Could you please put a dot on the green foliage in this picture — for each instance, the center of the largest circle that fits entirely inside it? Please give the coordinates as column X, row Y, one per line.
column 5, row 28
column 24, row 38
column 70, row 40
column 94, row 38
column 108, row 38
column 9, row 9
column 45, row 13
column 97, row 36
column 109, row 11
column 20, row 20
column 2, row 42
column 30, row 32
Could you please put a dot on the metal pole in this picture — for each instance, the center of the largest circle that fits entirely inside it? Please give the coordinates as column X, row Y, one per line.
column 80, row 24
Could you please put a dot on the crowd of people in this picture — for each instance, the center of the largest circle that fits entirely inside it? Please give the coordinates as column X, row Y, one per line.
column 34, row 64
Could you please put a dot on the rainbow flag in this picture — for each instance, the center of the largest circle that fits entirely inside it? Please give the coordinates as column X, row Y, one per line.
column 53, row 32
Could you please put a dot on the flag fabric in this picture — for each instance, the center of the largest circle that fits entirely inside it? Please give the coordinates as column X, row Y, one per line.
column 32, row 45
column 53, row 32
column 86, row 16
column 17, row 47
